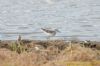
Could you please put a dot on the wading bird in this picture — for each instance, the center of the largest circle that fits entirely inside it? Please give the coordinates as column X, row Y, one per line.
column 50, row 32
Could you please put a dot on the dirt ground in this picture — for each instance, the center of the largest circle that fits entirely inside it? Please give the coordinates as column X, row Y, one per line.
column 47, row 53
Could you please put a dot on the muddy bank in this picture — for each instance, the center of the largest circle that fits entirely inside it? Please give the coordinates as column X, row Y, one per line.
column 47, row 43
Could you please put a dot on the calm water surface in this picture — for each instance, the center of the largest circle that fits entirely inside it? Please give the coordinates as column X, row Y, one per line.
column 74, row 18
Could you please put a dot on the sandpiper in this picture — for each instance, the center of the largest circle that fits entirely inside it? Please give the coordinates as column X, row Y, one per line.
column 50, row 32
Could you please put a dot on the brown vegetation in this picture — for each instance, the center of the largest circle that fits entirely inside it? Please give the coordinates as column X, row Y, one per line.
column 46, row 53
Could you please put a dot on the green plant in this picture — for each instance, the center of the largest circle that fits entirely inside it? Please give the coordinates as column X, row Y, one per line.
column 13, row 47
column 18, row 47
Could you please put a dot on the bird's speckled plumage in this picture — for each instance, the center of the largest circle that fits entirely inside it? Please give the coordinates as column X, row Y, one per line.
column 49, row 32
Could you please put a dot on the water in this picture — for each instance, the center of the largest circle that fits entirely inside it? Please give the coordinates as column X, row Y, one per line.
column 74, row 18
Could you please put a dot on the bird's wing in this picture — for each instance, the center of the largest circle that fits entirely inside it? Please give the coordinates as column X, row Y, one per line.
column 48, row 31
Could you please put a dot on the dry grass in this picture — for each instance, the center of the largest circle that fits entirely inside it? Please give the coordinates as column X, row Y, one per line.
column 51, row 53
column 76, row 53
column 9, row 58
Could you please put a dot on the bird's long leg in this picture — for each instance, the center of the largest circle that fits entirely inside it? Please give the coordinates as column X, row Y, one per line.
column 48, row 38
